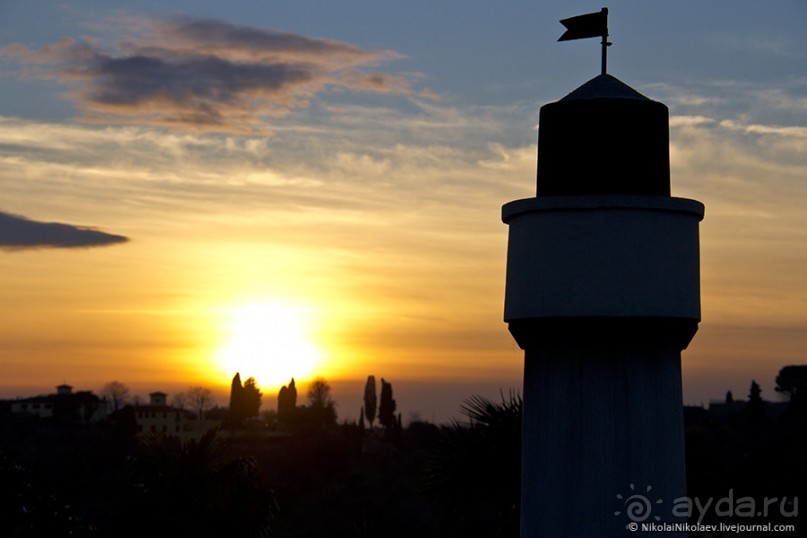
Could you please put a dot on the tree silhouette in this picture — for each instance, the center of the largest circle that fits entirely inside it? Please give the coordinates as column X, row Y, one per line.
column 116, row 392
column 200, row 399
column 791, row 382
column 179, row 400
column 292, row 394
column 286, row 402
column 370, row 400
column 755, row 392
column 236, row 413
column 251, row 398
column 322, row 408
column 474, row 473
column 386, row 410
column 319, row 393
column 756, row 406
column 195, row 488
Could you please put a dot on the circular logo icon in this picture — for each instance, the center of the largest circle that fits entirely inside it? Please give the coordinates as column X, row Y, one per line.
column 637, row 506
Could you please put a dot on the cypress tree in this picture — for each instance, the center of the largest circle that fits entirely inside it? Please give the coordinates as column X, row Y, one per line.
column 386, row 409
column 370, row 400
column 286, row 402
column 236, row 413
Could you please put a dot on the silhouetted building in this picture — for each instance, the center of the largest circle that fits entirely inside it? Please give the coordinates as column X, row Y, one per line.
column 40, row 406
column 81, row 406
column 159, row 417
column 602, row 293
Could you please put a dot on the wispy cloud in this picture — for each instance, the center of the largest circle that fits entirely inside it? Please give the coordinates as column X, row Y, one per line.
column 208, row 75
column 786, row 131
column 17, row 232
column 741, row 100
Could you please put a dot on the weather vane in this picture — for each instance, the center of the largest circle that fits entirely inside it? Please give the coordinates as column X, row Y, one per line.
column 589, row 25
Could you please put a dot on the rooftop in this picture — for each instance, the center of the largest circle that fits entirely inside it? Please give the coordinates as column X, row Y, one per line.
column 604, row 87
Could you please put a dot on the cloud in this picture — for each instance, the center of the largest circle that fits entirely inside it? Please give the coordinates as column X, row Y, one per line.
column 786, row 131
column 18, row 232
column 690, row 121
column 208, row 75
column 742, row 101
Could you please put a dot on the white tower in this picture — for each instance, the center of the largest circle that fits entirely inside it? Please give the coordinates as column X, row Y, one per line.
column 603, row 294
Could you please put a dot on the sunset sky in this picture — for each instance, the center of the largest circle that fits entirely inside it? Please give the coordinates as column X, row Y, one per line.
column 314, row 187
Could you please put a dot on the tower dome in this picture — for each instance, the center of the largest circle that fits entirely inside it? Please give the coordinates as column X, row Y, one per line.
column 604, row 138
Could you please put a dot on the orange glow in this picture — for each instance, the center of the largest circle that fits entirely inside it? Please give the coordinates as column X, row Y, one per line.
column 270, row 341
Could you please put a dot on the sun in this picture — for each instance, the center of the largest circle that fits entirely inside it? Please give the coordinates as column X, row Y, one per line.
column 270, row 342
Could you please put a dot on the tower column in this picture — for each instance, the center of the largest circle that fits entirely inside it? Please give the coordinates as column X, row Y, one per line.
column 590, row 430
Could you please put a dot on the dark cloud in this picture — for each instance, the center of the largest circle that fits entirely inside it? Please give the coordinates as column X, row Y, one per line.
column 243, row 43
column 208, row 74
column 18, row 232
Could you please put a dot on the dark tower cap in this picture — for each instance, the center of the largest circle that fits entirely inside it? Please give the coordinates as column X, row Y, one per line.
column 604, row 138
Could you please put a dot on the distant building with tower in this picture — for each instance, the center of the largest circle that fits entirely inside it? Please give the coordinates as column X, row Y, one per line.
column 159, row 417
column 81, row 406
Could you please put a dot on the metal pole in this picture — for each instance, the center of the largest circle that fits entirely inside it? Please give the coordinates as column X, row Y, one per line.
column 605, row 42
column 604, row 52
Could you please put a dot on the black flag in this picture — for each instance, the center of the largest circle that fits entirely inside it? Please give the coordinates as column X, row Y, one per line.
column 588, row 25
